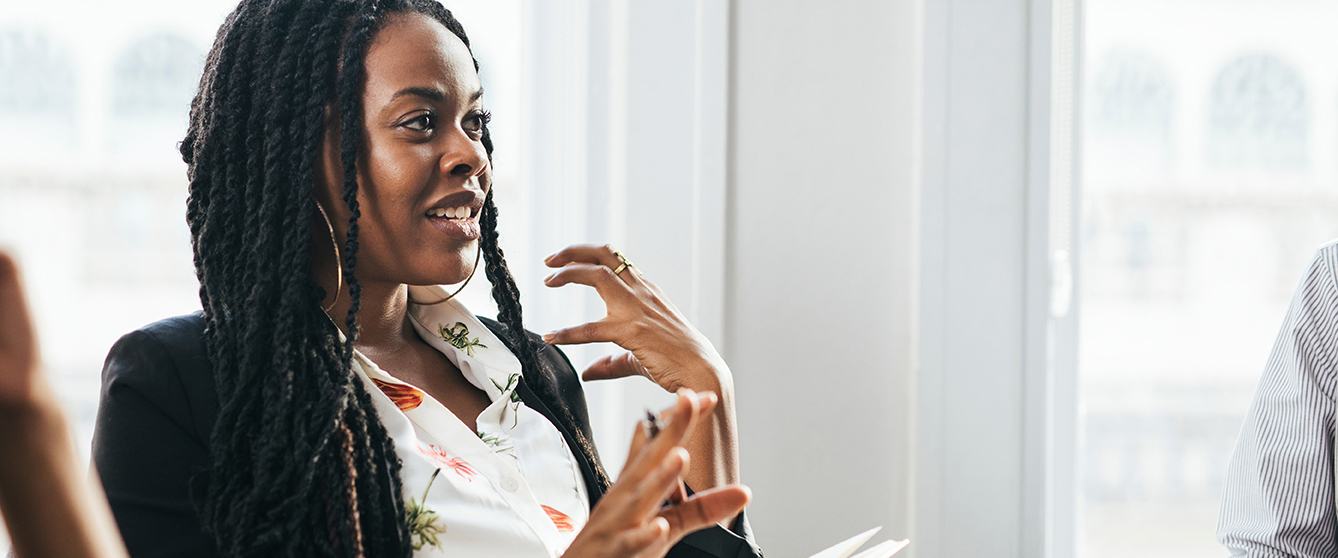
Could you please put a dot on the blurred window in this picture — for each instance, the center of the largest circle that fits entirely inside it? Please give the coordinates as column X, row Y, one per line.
column 1131, row 115
column 38, row 93
column 1206, row 186
column 156, row 76
column 1259, row 116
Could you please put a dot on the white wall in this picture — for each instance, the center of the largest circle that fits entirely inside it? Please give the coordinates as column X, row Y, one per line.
column 821, row 267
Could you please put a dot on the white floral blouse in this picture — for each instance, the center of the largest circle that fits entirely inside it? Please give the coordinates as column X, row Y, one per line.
column 511, row 488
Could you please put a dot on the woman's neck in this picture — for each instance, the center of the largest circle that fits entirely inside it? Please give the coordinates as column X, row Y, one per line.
column 382, row 315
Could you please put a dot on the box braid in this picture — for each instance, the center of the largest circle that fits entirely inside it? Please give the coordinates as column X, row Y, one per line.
column 294, row 419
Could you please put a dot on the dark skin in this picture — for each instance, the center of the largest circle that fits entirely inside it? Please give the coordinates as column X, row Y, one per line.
column 423, row 147
column 422, row 152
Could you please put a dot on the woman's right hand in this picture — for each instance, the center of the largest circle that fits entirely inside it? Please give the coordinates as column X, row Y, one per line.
column 629, row 520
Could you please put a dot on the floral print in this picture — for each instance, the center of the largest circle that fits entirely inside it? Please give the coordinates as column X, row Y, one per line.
column 405, row 396
column 462, row 497
column 498, row 442
column 424, row 525
column 439, row 457
column 512, row 382
column 458, row 336
column 563, row 521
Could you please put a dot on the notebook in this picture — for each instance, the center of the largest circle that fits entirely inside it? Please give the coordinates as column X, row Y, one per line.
column 844, row 548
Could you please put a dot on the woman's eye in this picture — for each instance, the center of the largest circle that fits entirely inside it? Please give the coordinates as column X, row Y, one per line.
column 475, row 123
column 425, row 122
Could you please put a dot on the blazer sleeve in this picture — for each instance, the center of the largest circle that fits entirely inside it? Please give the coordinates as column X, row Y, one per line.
column 713, row 542
column 148, row 447
column 1279, row 496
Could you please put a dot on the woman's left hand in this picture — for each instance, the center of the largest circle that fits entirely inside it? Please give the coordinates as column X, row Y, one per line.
column 661, row 344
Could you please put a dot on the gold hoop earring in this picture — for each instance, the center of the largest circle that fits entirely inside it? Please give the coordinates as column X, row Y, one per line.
column 339, row 262
column 477, row 258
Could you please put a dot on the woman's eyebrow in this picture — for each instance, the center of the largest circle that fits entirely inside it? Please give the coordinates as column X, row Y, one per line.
column 432, row 93
column 429, row 93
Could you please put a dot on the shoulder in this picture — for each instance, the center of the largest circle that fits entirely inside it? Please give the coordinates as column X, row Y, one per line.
column 1316, row 297
column 151, row 438
column 166, row 364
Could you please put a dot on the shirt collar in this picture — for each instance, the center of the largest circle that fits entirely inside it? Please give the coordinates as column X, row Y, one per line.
column 456, row 332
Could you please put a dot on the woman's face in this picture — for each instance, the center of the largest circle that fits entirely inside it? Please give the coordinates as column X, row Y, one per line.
column 423, row 172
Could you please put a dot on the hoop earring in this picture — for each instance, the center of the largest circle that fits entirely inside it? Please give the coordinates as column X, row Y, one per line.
column 478, row 257
column 339, row 261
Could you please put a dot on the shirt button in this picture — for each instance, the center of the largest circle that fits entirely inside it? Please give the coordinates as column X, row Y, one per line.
column 510, row 484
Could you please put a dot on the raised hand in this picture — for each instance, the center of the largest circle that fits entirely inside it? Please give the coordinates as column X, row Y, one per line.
column 48, row 502
column 21, row 386
column 661, row 345
column 631, row 519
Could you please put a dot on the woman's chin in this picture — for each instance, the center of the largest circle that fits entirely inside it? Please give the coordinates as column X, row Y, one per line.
column 453, row 276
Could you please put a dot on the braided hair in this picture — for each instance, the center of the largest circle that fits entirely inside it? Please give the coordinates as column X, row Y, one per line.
column 301, row 464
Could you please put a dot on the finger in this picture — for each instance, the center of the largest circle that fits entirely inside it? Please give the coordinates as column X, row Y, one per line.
column 590, row 332
column 639, row 539
column 683, row 416
column 585, row 253
column 640, row 496
column 16, row 328
column 612, row 367
column 604, row 255
column 638, row 443
column 706, row 401
column 609, row 286
column 662, row 483
column 705, row 509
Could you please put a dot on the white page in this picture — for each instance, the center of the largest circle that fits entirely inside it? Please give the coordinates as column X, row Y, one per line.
column 884, row 550
column 846, row 547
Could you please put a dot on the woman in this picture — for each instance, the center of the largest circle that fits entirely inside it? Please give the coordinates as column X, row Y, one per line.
column 338, row 153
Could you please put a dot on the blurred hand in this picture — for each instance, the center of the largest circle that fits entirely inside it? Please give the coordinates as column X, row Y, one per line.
column 50, row 504
column 661, row 344
column 21, row 385
column 631, row 521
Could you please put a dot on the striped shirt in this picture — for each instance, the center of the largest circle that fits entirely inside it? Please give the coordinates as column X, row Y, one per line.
column 1279, row 496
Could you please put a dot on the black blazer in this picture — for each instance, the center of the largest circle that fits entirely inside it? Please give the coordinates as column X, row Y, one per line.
column 158, row 407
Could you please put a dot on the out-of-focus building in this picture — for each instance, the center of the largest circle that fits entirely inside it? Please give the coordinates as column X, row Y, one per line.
column 1210, row 175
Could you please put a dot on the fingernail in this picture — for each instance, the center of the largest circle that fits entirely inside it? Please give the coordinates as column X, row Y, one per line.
column 550, row 256
column 549, row 278
column 550, row 336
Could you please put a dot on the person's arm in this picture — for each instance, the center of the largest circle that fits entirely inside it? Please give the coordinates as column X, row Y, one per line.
column 1279, row 496
column 50, row 507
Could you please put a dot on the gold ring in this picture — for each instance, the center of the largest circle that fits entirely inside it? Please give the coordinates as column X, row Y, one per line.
column 626, row 263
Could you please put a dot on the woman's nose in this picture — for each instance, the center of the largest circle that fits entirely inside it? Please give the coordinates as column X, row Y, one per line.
column 464, row 157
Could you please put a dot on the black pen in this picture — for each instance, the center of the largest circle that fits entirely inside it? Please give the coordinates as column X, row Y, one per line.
column 652, row 426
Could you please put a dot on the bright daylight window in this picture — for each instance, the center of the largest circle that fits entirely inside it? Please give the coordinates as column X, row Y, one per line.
column 1210, row 175
column 92, row 190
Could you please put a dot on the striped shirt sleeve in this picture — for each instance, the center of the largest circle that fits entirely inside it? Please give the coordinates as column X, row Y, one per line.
column 1279, row 494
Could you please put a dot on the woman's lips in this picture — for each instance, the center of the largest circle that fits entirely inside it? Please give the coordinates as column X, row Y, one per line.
column 463, row 229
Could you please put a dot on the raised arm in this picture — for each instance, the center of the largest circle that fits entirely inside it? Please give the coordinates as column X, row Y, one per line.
column 50, row 506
